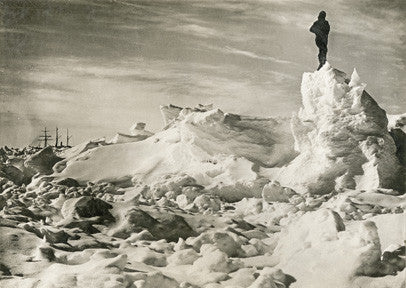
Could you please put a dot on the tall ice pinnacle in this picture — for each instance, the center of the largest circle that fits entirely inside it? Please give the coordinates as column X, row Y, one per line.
column 341, row 135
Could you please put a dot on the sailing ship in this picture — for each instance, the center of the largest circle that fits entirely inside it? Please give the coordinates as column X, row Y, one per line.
column 44, row 140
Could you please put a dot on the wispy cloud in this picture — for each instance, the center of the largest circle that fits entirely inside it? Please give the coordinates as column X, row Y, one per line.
column 249, row 54
column 196, row 30
column 280, row 76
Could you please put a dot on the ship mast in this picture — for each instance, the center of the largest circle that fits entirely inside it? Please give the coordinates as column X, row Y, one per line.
column 56, row 137
column 67, row 137
column 45, row 137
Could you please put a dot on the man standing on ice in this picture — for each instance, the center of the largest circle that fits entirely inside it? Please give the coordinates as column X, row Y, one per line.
column 321, row 28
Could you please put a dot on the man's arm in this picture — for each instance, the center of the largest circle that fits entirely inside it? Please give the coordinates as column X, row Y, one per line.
column 312, row 28
column 328, row 27
column 315, row 28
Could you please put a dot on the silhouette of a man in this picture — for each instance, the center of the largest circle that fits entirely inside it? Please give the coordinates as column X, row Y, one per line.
column 321, row 28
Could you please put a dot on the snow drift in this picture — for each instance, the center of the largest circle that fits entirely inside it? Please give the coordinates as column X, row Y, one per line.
column 216, row 148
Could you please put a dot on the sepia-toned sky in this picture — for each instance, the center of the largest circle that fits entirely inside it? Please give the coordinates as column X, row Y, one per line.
column 98, row 66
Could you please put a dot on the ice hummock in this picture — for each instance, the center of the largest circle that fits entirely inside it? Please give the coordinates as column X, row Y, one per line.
column 342, row 138
column 217, row 149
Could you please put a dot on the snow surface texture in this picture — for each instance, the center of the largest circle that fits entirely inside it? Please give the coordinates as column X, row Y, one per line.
column 397, row 122
column 215, row 200
column 138, row 133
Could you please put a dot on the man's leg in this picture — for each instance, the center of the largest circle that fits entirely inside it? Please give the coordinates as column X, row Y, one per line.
column 322, row 56
column 321, row 63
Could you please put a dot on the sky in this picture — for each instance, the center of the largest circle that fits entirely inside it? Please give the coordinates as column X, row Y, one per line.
column 98, row 66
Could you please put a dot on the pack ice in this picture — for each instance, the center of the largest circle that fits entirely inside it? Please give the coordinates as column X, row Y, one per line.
column 216, row 200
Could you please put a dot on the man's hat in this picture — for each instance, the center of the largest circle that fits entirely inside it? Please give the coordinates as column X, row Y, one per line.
column 322, row 15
